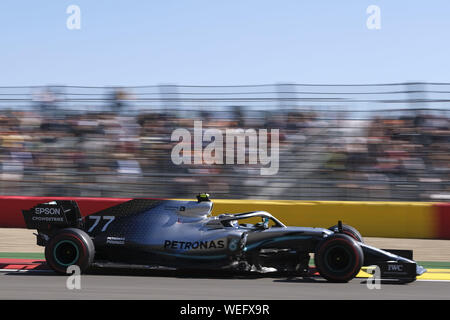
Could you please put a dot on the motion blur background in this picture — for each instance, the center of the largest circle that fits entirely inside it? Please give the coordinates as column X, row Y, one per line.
column 337, row 142
column 363, row 114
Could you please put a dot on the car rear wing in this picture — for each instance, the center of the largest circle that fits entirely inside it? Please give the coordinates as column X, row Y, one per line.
column 53, row 215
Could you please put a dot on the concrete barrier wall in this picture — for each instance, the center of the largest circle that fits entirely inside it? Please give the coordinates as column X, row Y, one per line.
column 419, row 220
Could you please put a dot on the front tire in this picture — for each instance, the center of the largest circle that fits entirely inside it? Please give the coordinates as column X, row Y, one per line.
column 338, row 258
column 68, row 247
column 348, row 230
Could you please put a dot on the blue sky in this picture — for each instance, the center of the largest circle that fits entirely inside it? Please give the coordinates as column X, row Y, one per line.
column 222, row 42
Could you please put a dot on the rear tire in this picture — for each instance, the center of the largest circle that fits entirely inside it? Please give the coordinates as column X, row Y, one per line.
column 338, row 258
column 68, row 247
column 348, row 230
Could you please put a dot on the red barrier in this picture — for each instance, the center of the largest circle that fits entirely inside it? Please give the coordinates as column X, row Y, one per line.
column 11, row 207
column 442, row 216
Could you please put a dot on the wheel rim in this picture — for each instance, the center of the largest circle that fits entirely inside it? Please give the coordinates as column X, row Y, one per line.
column 338, row 259
column 66, row 253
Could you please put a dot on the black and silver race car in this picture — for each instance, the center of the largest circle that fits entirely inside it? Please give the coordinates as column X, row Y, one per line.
column 183, row 235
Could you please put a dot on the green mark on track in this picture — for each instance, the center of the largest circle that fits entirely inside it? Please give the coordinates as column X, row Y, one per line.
column 434, row 264
column 22, row 255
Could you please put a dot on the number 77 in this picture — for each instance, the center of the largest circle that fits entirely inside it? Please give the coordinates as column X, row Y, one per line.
column 97, row 220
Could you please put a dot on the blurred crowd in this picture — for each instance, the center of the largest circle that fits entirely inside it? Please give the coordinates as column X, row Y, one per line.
column 108, row 153
column 401, row 158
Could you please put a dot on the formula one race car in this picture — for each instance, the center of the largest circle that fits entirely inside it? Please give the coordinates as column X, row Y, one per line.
column 183, row 235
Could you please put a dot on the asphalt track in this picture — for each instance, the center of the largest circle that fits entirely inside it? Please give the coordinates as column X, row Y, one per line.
column 170, row 285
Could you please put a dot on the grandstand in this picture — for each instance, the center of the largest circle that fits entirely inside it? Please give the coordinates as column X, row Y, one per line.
column 337, row 141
